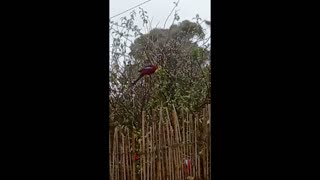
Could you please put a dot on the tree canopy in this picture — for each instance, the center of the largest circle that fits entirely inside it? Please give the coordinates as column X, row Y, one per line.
column 182, row 52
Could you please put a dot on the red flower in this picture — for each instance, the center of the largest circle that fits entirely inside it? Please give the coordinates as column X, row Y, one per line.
column 136, row 157
column 188, row 166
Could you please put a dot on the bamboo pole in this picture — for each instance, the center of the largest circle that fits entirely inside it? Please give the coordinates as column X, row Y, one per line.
column 140, row 162
column 184, row 145
column 123, row 157
column 172, row 162
column 190, row 146
column 197, row 166
column 159, row 159
column 129, row 155
column 149, row 165
column 164, row 147
column 209, row 134
column 117, row 155
column 204, row 153
column 169, row 147
column 165, row 161
column 177, row 149
column 113, row 154
column 147, row 155
column 152, row 172
column 110, row 156
column 187, row 138
column 165, row 150
column 132, row 157
column 143, row 147
column 179, row 160
column 154, row 146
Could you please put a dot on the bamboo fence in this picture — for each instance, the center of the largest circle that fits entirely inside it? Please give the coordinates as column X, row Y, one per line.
column 168, row 148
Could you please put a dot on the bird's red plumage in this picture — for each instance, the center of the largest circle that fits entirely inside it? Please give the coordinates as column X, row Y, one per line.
column 147, row 70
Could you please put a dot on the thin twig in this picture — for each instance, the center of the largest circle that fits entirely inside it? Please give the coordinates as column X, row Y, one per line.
column 176, row 4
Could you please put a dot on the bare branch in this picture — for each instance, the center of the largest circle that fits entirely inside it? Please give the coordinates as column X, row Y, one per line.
column 129, row 9
column 176, row 4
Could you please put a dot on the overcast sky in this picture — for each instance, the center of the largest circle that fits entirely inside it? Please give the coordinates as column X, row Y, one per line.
column 160, row 9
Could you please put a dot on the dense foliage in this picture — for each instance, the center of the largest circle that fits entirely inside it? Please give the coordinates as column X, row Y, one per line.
column 182, row 52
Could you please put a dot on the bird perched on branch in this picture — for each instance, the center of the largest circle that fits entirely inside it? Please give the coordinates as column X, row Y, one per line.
column 147, row 70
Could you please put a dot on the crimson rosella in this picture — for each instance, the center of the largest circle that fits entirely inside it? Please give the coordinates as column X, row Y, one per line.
column 147, row 70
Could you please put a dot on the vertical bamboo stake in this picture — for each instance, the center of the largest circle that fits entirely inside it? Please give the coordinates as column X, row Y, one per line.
column 147, row 154
column 188, row 137
column 208, row 145
column 196, row 146
column 151, row 153
column 159, row 157
column 110, row 156
column 209, row 134
column 141, row 157
column 184, row 146
column 120, row 157
column 143, row 146
column 145, row 151
column 119, row 163
column 177, row 150
column 175, row 155
column 172, row 153
column 164, row 153
column 129, row 155
column 169, row 145
column 185, row 142
column 173, row 149
column 154, row 145
column 204, row 159
column 190, row 145
column 113, row 153
column 132, row 156
column 179, row 160
column 124, row 157
column 169, row 149
column 166, row 159
column 153, row 162
column 194, row 162
column 117, row 156
column 180, row 150
column 149, row 145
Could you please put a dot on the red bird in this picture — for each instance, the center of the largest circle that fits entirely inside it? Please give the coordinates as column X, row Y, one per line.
column 147, row 70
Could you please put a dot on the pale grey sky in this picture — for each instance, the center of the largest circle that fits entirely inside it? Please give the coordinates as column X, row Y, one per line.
column 160, row 9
